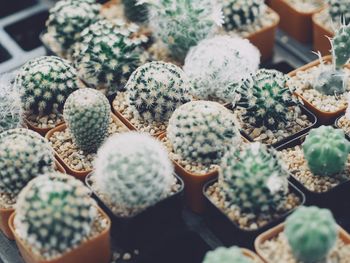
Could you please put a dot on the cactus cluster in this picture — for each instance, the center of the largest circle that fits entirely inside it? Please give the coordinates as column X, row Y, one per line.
column 24, row 155
column 265, row 99
column 45, row 83
column 339, row 10
column 87, row 113
column 156, row 89
column 54, row 213
column 135, row 12
column 218, row 64
column 253, row 178
column 106, row 55
column 226, row 255
column 133, row 171
column 311, row 233
column 201, row 131
column 326, row 150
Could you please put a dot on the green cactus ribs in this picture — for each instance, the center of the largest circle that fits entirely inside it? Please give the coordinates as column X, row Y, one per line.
column 339, row 10
column 226, row 255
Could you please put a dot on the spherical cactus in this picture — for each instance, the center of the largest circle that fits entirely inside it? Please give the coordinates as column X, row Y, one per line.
column 106, row 55
column 133, row 171
column 156, row 89
column 331, row 81
column 24, row 154
column 45, row 83
column 265, row 99
column 54, row 213
column 200, row 131
column 226, row 255
column 87, row 113
column 311, row 233
column 253, row 178
column 326, row 150
column 135, row 12
column 215, row 65
column 340, row 45
column 339, row 10
column 239, row 13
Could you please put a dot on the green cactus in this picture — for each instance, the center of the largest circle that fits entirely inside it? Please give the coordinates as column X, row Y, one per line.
column 24, row 155
column 134, row 12
column 226, row 255
column 340, row 45
column 200, row 131
column 326, row 150
column 311, row 233
column 339, row 10
column 54, row 213
column 331, row 81
column 253, row 178
column 87, row 113
column 45, row 83
column 133, row 171
column 156, row 89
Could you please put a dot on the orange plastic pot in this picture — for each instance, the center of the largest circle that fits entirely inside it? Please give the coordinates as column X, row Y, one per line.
column 41, row 131
column 95, row 250
column 273, row 232
column 251, row 255
column 320, row 37
column 296, row 24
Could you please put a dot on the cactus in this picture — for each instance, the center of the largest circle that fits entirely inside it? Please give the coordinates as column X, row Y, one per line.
column 54, row 213
column 24, row 154
column 106, row 55
column 265, row 99
column 45, row 83
column 339, row 10
column 326, row 150
column 134, row 12
column 311, row 233
column 181, row 24
column 87, row 114
column 254, row 178
column 215, row 65
column 133, row 171
column 200, row 131
column 340, row 45
column 226, row 255
column 156, row 89
column 240, row 13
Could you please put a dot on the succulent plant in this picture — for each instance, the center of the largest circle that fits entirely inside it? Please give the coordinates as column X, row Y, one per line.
column 107, row 55
column 156, row 89
column 339, row 10
column 226, row 255
column 24, row 155
column 311, row 233
column 87, row 113
column 54, row 213
column 133, row 171
column 45, row 83
column 181, row 24
column 331, row 81
column 253, row 178
column 326, row 150
column 340, row 45
column 200, row 131
column 215, row 66
column 135, row 12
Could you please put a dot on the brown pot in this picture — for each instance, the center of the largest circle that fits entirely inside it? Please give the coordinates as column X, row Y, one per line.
column 95, row 250
column 251, row 255
column 41, row 131
column 296, row 24
column 320, row 37
column 273, row 232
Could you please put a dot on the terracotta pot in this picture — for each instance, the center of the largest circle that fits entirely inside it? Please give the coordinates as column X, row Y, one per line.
column 251, row 255
column 273, row 232
column 41, row 131
column 320, row 37
column 59, row 167
column 297, row 24
column 97, row 249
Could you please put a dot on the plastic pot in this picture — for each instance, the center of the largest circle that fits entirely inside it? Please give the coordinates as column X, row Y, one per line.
column 320, row 34
column 336, row 125
column 97, row 249
column 229, row 232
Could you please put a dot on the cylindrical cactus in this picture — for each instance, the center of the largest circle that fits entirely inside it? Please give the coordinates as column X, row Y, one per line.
column 135, row 12
column 200, row 131
column 156, row 89
column 45, row 83
column 226, row 255
column 326, row 150
column 24, row 154
column 339, row 10
column 87, row 113
column 340, row 45
column 311, row 233
column 133, row 172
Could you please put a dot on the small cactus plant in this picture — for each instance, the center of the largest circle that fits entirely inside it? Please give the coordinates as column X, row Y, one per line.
column 135, row 12
column 226, row 255
column 311, row 233
column 133, row 171
column 87, row 113
column 215, row 65
column 340, row 45
column 24, row 155
column 339, row 10
column 156, row 89
column 200, row 131
column 54, row 213
column 45, row 83
column 253, row 178
column 326, row 150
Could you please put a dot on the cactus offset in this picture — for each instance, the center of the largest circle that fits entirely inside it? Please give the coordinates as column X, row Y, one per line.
column 134, row 12
column 339, row 10
column 226, row 255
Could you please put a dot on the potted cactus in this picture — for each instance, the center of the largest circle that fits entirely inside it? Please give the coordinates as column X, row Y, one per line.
column 57, row 221
column 309, row 235
column 229, row 255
